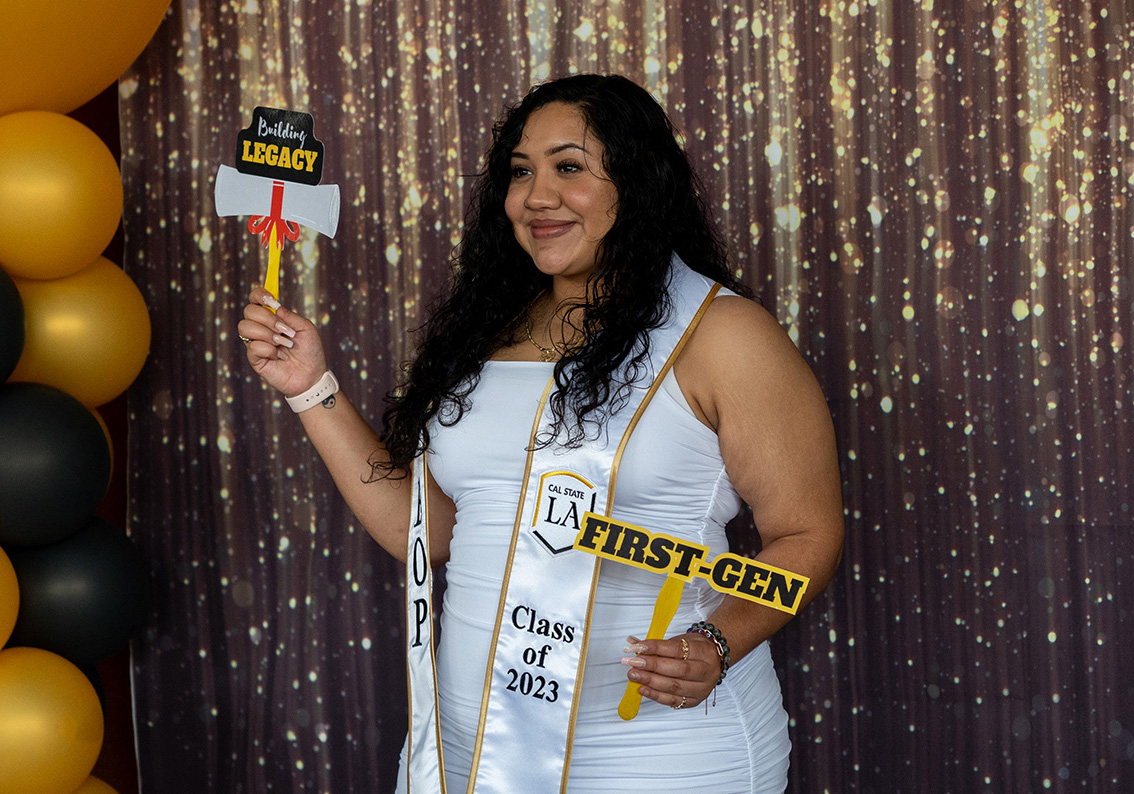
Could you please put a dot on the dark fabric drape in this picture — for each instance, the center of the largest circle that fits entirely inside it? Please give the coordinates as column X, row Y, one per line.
column 932, row 197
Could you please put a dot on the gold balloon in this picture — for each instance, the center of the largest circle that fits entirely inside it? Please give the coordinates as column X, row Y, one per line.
column 95, row 786
column 60, row 195
column 50, row 723
column 9, row 598
column 57, row 55
column 87, row 334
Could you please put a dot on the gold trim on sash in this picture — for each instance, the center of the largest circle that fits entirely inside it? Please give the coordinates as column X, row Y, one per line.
column 409, row 723
column 432, row 644
column 504, row 588
column 609, row 506
column 666, row 367
column 424, row 516
column 584, row 646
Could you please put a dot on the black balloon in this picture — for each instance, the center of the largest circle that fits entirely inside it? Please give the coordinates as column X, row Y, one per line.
column 82, row 597
column 11, row 326
column 54, row 464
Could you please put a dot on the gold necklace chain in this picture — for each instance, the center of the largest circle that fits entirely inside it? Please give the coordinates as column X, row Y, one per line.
column 545, row 354
column 557, row 349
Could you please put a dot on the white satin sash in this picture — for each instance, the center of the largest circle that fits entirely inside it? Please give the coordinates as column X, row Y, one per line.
column 535, row 665
column 425, row 767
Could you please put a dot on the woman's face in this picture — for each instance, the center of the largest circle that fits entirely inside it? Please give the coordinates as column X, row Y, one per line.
column 560, row 201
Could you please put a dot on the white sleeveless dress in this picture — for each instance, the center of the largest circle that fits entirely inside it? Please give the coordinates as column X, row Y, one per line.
column 671, row 480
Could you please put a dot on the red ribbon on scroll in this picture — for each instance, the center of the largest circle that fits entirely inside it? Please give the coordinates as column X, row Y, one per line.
column 263, row 225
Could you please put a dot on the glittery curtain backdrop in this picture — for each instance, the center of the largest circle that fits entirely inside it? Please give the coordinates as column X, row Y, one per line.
column 934, row 198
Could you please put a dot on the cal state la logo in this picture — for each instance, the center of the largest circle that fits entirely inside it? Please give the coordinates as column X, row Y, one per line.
column 563, row 499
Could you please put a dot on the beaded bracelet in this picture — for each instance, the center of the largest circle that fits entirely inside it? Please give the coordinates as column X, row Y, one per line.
column 713, row 633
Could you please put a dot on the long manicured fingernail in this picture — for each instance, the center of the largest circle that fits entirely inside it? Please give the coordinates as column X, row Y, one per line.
column 282, row 340
column 633, row 647
column 270, row 302
column 286, row 330
column 633, row 661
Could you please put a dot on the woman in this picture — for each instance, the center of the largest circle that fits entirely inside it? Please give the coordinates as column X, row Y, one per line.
column 587, row 268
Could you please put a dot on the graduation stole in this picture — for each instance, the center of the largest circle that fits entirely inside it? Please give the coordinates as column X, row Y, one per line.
column 539, row 645
column 425, row 768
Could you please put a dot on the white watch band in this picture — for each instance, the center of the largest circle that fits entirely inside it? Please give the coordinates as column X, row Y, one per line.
column 323, row 388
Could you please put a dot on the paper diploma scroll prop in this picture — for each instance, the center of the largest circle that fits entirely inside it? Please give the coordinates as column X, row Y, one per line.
column 279, row 164
column 680, row 561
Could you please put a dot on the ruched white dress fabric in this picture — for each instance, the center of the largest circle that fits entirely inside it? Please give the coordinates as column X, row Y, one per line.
column 671, row 480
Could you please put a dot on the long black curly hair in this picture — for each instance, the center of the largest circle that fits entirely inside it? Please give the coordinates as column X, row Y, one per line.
column 661, row 210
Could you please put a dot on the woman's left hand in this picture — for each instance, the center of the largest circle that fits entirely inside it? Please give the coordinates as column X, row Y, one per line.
column 671, row 675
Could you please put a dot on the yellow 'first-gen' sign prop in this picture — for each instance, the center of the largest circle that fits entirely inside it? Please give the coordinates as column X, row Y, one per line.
column 729, row 573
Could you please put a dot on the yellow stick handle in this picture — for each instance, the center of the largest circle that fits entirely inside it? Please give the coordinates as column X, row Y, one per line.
column 664, row 609
column 272, row 280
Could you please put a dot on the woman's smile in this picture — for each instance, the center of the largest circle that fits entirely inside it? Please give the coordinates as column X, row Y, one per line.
column 548, row 229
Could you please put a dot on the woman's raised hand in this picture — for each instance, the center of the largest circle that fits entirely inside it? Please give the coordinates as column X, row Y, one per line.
column 284, row 348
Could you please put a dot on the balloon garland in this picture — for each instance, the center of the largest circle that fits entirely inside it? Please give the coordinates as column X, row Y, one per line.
column 87, row 333
column 55, row 468
column 74, row 333
column 61, row 54
column 81, row 599
column 60, row 195
column 50, row 723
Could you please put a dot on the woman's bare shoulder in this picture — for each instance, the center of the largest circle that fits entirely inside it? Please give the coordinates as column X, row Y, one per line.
column 738, row 337
column 733, row 323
